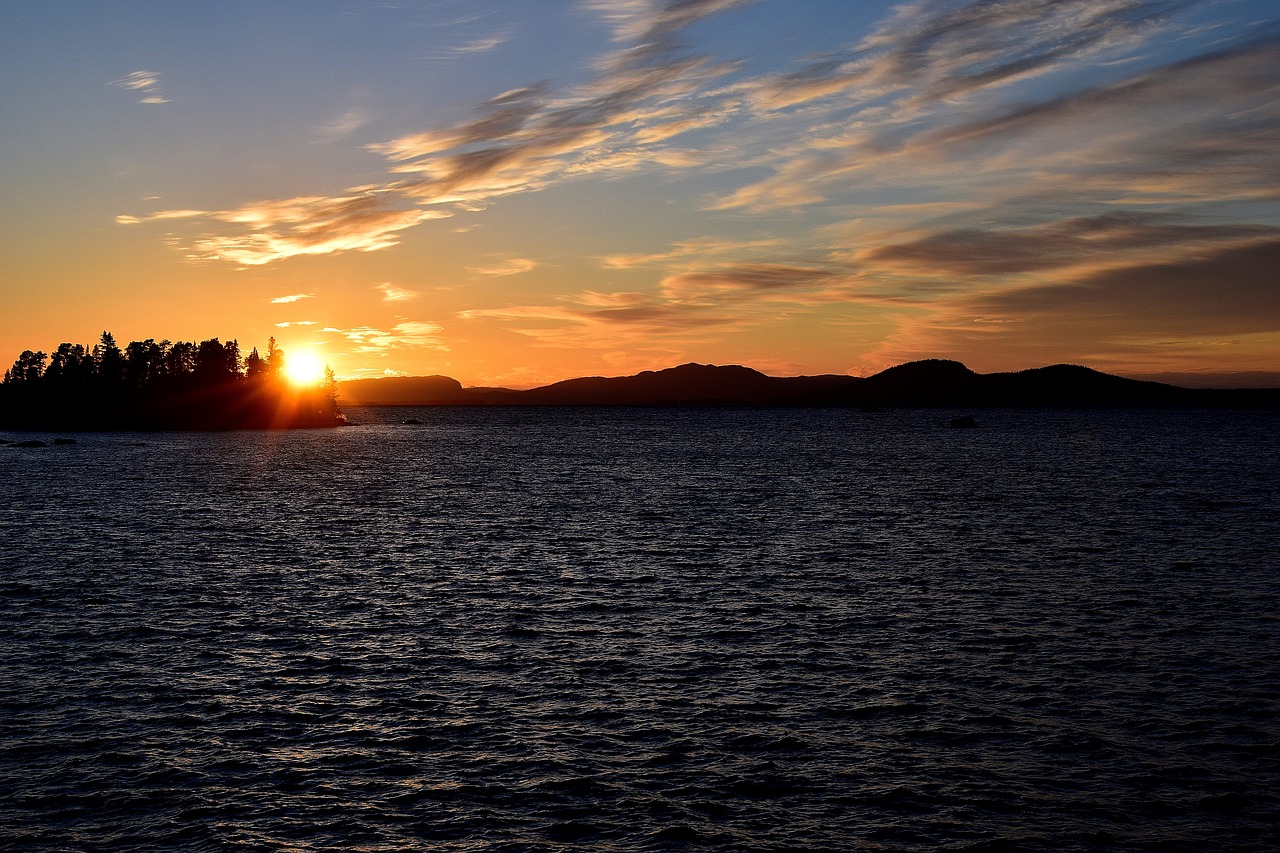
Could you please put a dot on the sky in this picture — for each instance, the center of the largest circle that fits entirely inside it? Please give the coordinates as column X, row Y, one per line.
column 513, row 192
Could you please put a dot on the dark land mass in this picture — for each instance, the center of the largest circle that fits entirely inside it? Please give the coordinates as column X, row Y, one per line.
column 209, row 386
column 408, row 391
column 1242, row 379
column 152, row 385
column 922, row 384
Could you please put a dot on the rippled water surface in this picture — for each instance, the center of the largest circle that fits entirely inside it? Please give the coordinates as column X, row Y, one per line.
column 614, row 630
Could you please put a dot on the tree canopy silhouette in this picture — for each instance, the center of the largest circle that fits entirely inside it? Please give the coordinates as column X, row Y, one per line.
column 161, row 385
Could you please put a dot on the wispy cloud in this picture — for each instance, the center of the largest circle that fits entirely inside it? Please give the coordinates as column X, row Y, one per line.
column 484, row 44
column 391, row 293
column 750, row 280
column 145, row 84
column 1081, row 242
column 307, row 225
column 511, row 266
column 127, row 219
column 1230, row 291
column 608, row 321
column 650, row 24
column 275, row 230
column 689, row 306
column 697, row 251
column 915, row 114
column 293, row 297
column 520, row 141
column 1143, row 317
column 368, row 340
column 932, row 52
column 344, row 125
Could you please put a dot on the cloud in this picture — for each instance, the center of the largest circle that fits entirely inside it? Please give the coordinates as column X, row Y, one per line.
column 158, row 216
column 649, row 22
column 1143, row 317
column 503, row 115
column 513, row 266
column 629, row 18
column 1223, row 292
column 1109, row 239
column 275, row 230
column 750, row 280
column 689, row 306
column 391, row 293
column 296, row 323
column 934, row 51
column 368, row 340
column 521, row 141
column 926, row 105
column 146, row 84
column 293, row 297
column 526, row 139
column 344, row 125
column 307, row 225
column 1225, row 105
column 701, row 249
column 607, row 321
column 484, row 44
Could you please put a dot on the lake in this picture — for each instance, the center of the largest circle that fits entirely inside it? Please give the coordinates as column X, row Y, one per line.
column 646, row 629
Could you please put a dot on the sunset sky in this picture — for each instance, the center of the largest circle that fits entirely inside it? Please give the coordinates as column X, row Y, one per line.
column 512, row 192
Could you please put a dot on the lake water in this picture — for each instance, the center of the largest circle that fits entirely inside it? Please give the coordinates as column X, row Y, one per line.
column 646, row 629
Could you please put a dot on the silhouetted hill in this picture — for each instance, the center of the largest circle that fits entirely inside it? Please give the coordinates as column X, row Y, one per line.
column 1248, row 379
column 936, row 382
column 403, row 391
column 931, row 382
column 688, row 384
column 1072, row 385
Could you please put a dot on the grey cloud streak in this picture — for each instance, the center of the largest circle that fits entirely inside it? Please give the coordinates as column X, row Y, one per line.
column 938, row 50
column 1240, row 73
column 1229, row 291
column 1141, row 318
column 1075, row 242
column 693, row 301
column 1112, row 137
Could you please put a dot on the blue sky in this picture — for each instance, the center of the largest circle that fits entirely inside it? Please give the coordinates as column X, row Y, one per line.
column 517, row 192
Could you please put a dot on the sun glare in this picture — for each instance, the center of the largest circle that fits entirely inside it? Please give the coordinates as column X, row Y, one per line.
column 303, row 368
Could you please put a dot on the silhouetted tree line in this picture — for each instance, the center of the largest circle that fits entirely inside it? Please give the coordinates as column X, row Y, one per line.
column 161, row 385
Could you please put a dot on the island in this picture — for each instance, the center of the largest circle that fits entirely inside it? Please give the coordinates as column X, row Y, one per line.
column 162, row 385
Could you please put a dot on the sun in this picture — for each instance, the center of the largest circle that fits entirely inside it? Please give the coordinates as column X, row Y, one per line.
column 304, row 368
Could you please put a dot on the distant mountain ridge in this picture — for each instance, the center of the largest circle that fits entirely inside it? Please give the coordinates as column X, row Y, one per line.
column 931, row 382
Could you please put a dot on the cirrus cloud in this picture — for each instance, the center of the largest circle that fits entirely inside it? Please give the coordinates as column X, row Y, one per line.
column 368, row 340
column 511, row 266
column 146, row 84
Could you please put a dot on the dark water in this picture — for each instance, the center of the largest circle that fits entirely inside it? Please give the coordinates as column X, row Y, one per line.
column 621, row 630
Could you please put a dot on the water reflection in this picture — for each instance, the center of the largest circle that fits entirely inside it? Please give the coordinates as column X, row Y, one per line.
column 643, row 630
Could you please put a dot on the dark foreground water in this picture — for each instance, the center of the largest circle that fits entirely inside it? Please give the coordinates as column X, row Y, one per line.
column 619, row 630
